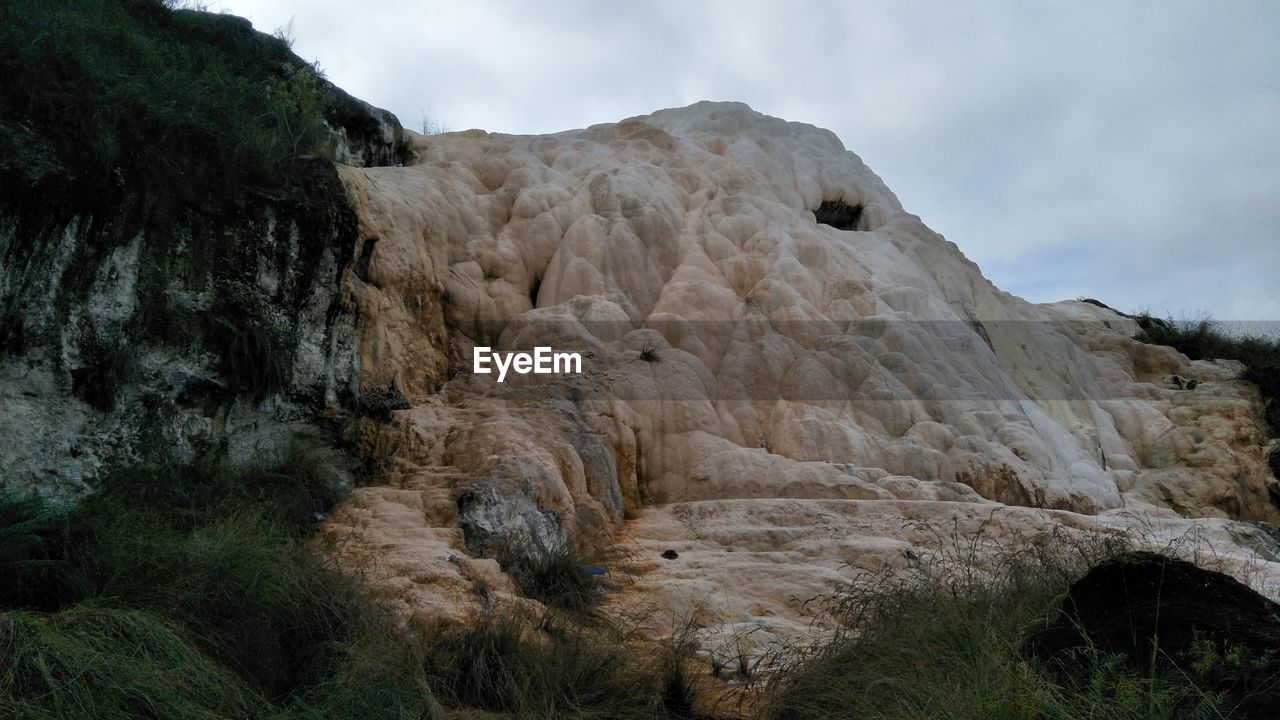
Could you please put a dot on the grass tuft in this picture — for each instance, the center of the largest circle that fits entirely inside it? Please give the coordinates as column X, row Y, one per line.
column 533, row 667
column 195, row 584
column 558, row 578
column 946, row 641
column 102, row 662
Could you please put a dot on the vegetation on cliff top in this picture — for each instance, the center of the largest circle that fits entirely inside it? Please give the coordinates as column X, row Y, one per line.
column 1204, row 339
column 104, row 98
column 135, row 119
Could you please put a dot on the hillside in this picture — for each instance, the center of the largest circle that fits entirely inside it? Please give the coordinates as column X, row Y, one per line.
column 251, row 469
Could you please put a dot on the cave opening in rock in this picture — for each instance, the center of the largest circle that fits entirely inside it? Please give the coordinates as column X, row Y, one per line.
column 838, row 214
column 533, row 291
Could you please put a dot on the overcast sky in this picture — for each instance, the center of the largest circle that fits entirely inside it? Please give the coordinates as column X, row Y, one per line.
column 1128, row 152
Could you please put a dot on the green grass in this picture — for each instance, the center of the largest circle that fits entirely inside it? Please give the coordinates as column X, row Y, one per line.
column 198, row 587
column 26, row 560
column 1204, row 339
column 195, row 591
column 542, row 667
column 97, row 661
column 557, row 578
column 108, row 96
column 947, row 642
column 184, row 591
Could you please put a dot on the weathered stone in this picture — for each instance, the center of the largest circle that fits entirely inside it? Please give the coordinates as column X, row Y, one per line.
column 500, row 517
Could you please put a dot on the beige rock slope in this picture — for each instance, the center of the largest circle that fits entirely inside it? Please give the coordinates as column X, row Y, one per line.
column 776, row 399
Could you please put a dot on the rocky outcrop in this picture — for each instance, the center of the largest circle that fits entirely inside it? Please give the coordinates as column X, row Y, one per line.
column 362, row 135
column 782, row 369
column 193, row 333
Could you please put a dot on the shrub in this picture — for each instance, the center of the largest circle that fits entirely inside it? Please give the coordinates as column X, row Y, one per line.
column 946, row 641
column 206, row 565
column 534, row 668
column 108, row 95
column 97, row 662
column 557, row 578
column 289, row 492
column 27, row 563
column 381, row 674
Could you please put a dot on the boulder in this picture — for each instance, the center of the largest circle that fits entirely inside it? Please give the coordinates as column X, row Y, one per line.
column 1170, row 616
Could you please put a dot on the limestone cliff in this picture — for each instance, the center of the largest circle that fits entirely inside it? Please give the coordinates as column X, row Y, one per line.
column 182, row 300
column 786, row 374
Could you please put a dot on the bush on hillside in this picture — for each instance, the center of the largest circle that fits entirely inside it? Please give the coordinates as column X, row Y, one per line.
column 948, row 641
column 108, row 96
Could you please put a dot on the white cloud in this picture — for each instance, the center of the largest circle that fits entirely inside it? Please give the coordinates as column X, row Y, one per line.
column 1124, row 151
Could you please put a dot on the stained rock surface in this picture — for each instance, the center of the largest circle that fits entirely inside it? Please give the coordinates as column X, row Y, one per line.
column 785, row 375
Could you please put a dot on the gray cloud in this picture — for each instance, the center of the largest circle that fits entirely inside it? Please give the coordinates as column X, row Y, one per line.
column 1124, row 151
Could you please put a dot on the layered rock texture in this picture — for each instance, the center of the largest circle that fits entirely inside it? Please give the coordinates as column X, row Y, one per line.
column 143, row 317
column 786, row 377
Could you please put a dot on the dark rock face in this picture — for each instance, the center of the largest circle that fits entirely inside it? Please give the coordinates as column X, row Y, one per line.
column 1166, row 614
column 838, row 214
column 202, row 319
column 191, row 331
column 363, row 135
column 501, row 517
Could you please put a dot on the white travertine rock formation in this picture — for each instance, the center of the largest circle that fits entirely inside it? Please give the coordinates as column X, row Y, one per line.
column 775, row 398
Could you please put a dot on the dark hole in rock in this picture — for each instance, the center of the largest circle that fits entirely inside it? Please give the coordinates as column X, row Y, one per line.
column 670, row 554
column 366, row 256
column 533, row 291
column 838, row 214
